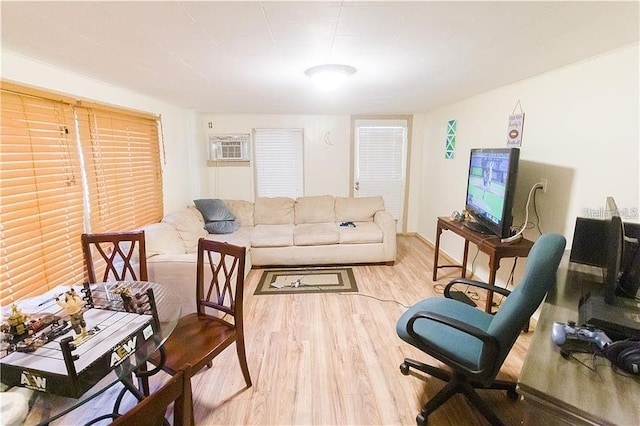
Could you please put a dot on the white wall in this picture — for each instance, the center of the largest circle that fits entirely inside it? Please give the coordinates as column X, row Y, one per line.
column 581, row 131
column 327, row 157
column 326, row 153
column 180, row 171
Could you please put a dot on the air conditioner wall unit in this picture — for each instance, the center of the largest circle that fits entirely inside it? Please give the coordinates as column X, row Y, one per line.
column 229, row 147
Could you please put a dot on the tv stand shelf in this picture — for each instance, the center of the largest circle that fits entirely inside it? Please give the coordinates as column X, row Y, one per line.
column 489, row 244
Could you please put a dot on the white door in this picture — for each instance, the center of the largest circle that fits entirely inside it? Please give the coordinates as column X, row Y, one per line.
column 380, row 163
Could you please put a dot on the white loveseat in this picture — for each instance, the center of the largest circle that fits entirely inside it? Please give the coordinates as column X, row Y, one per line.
column 275, row 231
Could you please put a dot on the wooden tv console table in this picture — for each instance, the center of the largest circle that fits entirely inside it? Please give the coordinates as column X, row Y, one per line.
column 488, row 244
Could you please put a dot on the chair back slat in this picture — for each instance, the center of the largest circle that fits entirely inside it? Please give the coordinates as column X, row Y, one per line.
column 220, row 277
column 116, row 256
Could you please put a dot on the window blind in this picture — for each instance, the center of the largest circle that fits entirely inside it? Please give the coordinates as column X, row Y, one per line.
column 381, row 162
column 41, row 212
column 279, row 162
column 122, row 163
column 68, row 168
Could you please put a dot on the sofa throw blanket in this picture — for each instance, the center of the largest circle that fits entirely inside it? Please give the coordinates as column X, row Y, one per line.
column 217, row 216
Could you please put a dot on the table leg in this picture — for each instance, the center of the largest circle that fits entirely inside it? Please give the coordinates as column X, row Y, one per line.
column 465, row 257
column 493, row 267
column 436, row 253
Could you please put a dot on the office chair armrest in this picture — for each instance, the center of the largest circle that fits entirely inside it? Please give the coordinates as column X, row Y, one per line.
column 474, row 283
column 491, row 343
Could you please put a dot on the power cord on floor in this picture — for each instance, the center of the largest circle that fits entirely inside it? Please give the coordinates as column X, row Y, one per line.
column 376, row 298
column 473, row 295
column 297, row 283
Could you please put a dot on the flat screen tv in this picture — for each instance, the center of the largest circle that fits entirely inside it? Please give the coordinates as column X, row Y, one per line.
column 491, row 188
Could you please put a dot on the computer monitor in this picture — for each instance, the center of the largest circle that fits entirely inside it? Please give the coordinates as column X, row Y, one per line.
column 618, row 316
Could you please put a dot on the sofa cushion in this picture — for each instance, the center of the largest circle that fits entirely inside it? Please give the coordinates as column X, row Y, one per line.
column 242, row 210
column 363, row 233
column 315, row 209
column 189, row 227
column 162, row 238
column 315, row 234
column 274, row 211
column 357, row 209
column 221, row 226
column 272, row 236
column 242, row 237
column 213, row 209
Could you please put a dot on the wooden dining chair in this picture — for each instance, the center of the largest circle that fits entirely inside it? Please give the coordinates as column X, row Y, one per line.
column 115, row 256
column 199, row 337
column 118, row 256
column 151, row 411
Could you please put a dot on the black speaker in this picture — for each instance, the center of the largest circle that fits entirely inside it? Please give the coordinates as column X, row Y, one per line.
column 589, row 240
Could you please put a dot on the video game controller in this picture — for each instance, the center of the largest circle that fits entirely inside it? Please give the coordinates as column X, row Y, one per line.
column 560, row 332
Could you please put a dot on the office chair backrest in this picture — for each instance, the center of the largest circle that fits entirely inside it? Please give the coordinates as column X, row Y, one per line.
column 224, row 264
column 115, row 256
column 539, row 276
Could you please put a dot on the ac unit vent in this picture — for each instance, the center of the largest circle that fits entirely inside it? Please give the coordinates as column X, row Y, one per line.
column 229, row 147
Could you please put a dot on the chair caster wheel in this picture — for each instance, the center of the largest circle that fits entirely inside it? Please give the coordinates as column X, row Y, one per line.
column 421, row 420
column 513, row 395
column 404, row 368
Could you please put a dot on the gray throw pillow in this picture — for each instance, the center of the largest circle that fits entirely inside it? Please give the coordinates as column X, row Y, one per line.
column 213, row 209
column 222, row 226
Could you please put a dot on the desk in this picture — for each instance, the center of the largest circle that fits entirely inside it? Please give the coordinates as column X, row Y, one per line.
column 561, row 391
column 46, row 407
column 488, row 244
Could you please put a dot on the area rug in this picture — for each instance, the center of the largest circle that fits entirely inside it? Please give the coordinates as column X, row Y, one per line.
column 306, row 280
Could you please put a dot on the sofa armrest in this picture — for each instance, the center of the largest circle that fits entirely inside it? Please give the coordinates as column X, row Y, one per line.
column 388, row 225
column 162, row 238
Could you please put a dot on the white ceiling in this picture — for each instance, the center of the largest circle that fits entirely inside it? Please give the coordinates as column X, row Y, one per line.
column 250, row 57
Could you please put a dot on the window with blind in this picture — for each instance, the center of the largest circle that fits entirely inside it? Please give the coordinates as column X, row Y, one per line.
column 41, row 209
column 279, row 162
column 380, row 161
column 50, row 151
column 122, row 162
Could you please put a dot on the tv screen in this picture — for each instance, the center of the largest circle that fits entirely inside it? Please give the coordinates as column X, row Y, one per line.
column 491, row 189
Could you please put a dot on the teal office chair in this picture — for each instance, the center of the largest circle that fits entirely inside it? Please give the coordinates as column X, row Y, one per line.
column 473, row 343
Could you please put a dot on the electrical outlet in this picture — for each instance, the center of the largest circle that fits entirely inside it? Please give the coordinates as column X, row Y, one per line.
column 545, row 183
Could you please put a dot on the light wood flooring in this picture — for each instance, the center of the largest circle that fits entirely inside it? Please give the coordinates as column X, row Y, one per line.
column 333, row 359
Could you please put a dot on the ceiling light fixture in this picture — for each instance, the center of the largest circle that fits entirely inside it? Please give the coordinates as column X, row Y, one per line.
column 330, row 76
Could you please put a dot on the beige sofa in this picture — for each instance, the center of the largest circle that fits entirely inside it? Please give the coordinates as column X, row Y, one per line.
column 275, row 231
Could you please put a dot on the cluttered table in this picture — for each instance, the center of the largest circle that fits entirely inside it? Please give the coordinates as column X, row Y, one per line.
column 580, row 388
column 67, row 346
